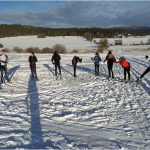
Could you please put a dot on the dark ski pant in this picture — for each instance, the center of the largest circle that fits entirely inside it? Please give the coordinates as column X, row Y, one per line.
column 57, row 65
column 74, row 70
column 4, row 74
column 96, row 69
column 33, row 69
column 110, row 70
column 127, row 71
column 145, row 72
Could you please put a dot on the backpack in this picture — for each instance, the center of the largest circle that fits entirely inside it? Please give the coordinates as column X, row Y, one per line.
column 125, row 64
column 110, row 56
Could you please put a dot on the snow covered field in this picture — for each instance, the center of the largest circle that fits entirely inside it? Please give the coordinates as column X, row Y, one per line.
column 128, row 40
column 86, row 112
column 121, row 48
column 70, row 42
column 128, row 44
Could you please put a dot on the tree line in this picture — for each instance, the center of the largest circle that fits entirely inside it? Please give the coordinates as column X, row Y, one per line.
column 8, row 30
column 89, row 33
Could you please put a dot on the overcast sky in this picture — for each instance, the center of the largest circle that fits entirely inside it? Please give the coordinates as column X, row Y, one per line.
column 75, row 13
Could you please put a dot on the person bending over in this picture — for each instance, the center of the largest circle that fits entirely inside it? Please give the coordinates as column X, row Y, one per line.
column 75, row 60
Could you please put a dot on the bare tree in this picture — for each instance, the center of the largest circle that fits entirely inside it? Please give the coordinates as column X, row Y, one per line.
column 59, row 48
column 102, row 45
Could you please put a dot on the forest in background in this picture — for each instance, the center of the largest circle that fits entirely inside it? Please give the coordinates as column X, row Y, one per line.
column 89, row 33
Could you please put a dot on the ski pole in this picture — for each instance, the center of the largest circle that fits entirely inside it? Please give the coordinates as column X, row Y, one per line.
column 91, row 67
column 118, row 69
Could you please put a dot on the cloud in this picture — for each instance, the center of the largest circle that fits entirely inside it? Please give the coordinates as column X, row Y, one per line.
column 80, row 14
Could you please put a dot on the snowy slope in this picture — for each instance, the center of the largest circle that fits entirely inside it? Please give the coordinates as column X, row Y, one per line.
column 86, row 112
column 70, row 42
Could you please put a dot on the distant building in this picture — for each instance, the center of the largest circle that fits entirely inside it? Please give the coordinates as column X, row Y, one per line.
column 118, row 42
column 120, row 35
column 129, row 35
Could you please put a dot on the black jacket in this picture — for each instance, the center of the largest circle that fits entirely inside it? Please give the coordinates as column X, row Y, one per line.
column 75, row 60
column 110, row 58
column 32, row 60
column 56, row 59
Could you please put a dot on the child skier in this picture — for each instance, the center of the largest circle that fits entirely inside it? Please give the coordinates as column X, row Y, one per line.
column 56, row 61
column 110, row 60
column 32, row 63
column 3, row 66
column 96, row 60
column 147, row 70
column 75, row 60
column 126, row 66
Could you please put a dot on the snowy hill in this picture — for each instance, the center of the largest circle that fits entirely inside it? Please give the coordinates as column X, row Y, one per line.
column 82, row 113
column 70, row 42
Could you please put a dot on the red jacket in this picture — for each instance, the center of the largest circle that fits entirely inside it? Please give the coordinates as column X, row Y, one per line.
column 125, row 64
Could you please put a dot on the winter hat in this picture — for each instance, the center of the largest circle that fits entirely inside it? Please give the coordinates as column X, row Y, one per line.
column 146, row 56
column 121, row 58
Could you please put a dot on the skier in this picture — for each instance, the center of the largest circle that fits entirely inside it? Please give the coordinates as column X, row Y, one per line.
column 3, row 64
column 75, row 60
column 126, row 66
column 96, row 60
column 0, row 72
column 56, row 61
column 32, row 63
column 146, row 71
column 110, row 60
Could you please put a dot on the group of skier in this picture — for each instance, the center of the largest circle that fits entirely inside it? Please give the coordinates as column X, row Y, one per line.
column 96, row 59
column 56, row 58
column 110, row 61
column 122, row 61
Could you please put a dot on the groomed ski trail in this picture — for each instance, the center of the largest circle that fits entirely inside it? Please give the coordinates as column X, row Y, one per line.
column 83, row 112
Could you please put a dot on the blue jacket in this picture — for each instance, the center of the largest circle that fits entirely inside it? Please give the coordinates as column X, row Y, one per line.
column 96, row 59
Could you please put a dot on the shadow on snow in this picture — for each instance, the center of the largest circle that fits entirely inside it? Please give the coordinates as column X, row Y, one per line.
column 12, row 71
column 91, row 71
column 51, row 70
column 34, row 111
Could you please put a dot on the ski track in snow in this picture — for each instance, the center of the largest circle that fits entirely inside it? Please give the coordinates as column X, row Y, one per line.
column 83, row 112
